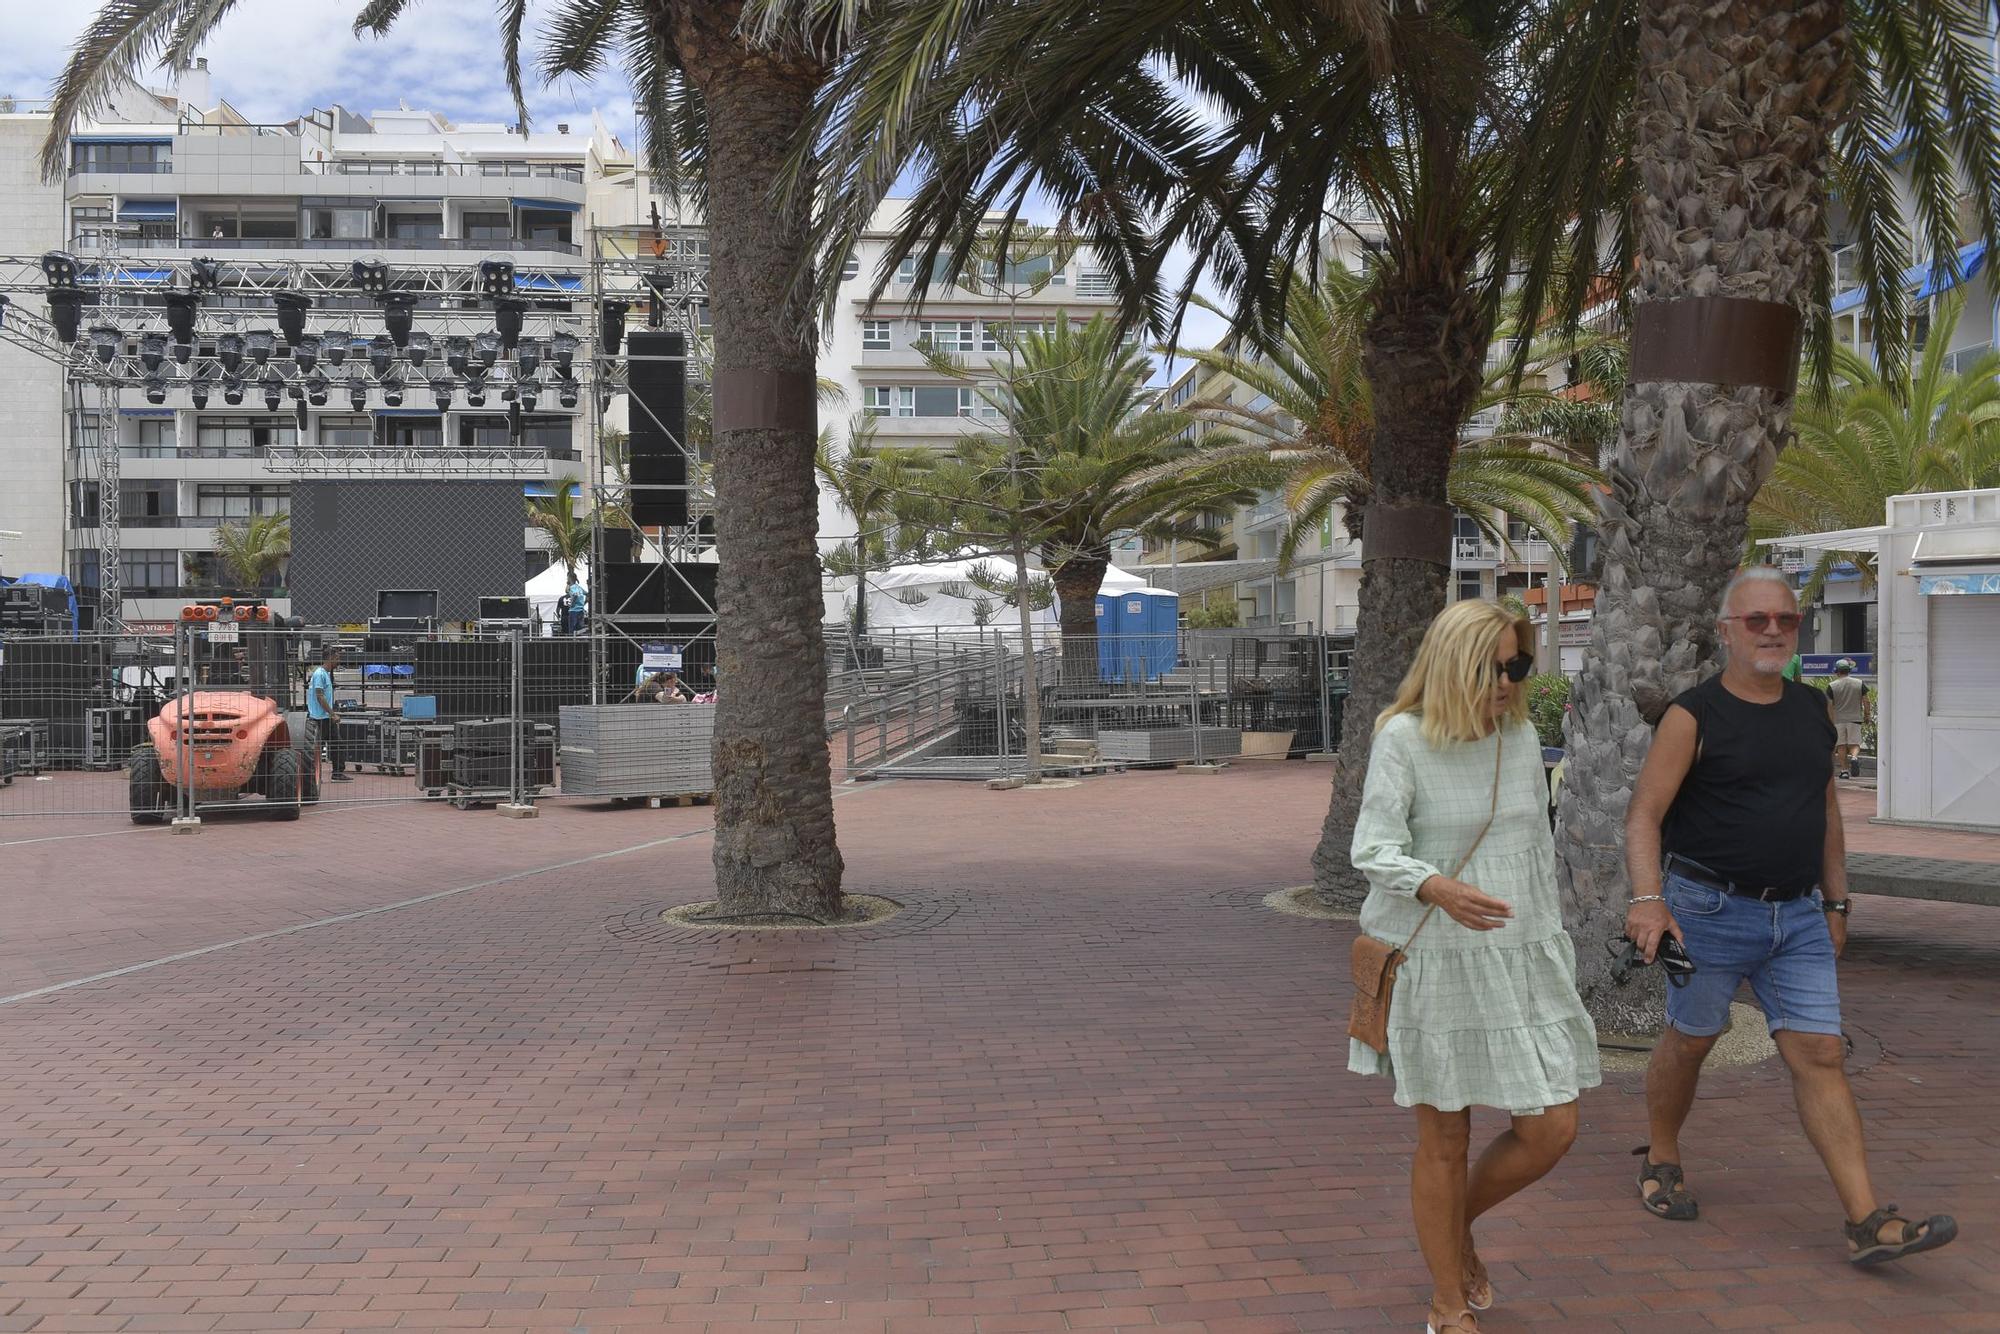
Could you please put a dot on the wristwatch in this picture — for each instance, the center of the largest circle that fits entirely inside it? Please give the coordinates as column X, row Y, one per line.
column 1841, row 906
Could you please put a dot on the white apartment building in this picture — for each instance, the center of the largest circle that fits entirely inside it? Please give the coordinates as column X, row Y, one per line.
column 177, row 174
column 31, row 459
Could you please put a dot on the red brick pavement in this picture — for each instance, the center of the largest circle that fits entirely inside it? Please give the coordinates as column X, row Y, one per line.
column 1085, row 1081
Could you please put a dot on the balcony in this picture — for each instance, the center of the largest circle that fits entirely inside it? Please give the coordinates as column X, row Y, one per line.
column 191, row 245
column 379, row 167
column 1467, row 552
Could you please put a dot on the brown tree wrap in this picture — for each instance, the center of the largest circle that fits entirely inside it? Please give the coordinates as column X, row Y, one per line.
column 1717, row 340
column 1373, row 963
column 747, row 400
column 1406, row 531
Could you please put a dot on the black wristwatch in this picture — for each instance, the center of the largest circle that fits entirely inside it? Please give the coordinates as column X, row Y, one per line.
column 1841, row 906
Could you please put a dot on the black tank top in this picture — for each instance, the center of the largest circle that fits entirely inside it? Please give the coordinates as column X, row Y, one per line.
column 1753, row 806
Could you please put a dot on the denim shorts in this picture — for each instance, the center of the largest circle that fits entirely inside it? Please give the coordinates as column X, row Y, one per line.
column 1783, row 949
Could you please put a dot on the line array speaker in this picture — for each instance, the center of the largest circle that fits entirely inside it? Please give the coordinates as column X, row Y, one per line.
column 659, row 453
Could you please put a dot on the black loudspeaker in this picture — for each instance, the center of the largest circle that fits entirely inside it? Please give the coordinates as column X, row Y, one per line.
column 633, row 588
column 658, row 419
column 470, row 679
column 691, row 592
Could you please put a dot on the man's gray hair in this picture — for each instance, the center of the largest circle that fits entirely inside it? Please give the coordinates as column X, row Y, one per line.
column 1754, row 574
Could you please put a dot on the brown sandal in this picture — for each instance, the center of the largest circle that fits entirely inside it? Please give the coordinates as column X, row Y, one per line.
column 1672, row 1200
column 1440, row 1323
column 1478, row 1285
column 1866, row 1246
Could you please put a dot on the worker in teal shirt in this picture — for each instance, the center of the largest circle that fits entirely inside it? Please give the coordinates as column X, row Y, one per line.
column 320, row 709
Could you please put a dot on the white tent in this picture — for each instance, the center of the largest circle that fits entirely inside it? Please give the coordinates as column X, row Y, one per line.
column 905, row 597
column 545, row 588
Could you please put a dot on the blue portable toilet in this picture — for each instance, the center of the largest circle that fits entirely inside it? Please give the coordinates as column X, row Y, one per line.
column 1151, row 618
column 1110, row 651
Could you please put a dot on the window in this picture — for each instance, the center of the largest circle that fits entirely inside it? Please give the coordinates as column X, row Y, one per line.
column 143, row 159
column 414, row 227
column 154, row 572
column 148, row 438
column 850, row 269
column 1468, row 585
column 875, row 335
column 1093, row 282
column 890, row 400
column 906, row 271
column 542, row 224
column 1517, row 529
column 340, row 224
column 83, row 504
column 284, row 228
column 487, row 227
column 349, row 434
column 548, row 435
column 973, row 403
column 238, row 501
column 148, row 504
column 999, row 337
column 412, row 435
column 244, row 437
column 949, row 335
column 936, row 400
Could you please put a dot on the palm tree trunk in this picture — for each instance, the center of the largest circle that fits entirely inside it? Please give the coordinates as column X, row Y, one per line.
column 1736, row 106
column 774, row 835
column 1031, row 686
column 1077, row 581
column 1422, row 357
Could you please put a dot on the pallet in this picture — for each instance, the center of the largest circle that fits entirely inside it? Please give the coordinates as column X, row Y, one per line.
column 680, row 799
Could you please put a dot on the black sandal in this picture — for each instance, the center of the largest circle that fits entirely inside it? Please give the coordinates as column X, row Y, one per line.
column 1672, row 1200
column 1868, row 1248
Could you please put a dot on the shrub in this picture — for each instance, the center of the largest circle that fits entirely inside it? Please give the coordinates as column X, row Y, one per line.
column 1548, row 700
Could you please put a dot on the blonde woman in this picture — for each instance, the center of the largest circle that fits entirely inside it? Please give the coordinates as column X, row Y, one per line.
column 1484, row 1011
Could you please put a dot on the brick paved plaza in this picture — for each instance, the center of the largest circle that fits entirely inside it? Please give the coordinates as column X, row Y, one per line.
column 1085, row 1081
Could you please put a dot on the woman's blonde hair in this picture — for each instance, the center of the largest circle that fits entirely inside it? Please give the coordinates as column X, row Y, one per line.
column 1450, row 682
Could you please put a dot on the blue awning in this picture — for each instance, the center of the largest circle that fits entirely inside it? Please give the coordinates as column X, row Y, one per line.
column 552, row 205
column 1937, row 585
column 145, row 412
column 548, row 282
column 146, row 208
column 1925, row 280
column 407, row 412
column 121, row 139
column 121, row 275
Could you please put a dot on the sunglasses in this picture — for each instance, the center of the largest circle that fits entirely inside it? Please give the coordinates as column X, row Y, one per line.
column 1670, row 955
column 1757, row 622
column 1515, row 668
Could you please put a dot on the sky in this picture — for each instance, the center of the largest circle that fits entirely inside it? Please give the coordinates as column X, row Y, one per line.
column 276, row 59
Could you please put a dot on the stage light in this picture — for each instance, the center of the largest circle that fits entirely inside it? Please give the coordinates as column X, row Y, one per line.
column 260, row 344
column 104, row 340
column 274, row 389
column 305, row 351
column 397, row 309
column 380, row 353
column 316, row 389
column 198, row 391
column 336, row 350
column 156, row 389
column 507, row 316
column 563, row 348
column 527, row 357
column 372, row 272
column 456, row 351
column 419, row 349
column 295, row 390
column 566, row 392
column 442, row 389
column 152, row 351
column 611, row 326
column 60, row 268
column 180, row 320
column 475, row 391
column 204, row 274
column 392, row 392
column 496, row 277
column 229, row 352
column 509, row 392
column 486, row 347
column 357, row 393
column 292, row 308
column 66, row 312
column 232, row 390
column 529, row 390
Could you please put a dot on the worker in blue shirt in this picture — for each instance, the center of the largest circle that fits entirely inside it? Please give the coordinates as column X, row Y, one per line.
column 320, row 709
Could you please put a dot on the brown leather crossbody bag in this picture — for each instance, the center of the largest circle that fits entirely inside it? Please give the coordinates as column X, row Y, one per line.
column 1374, row 962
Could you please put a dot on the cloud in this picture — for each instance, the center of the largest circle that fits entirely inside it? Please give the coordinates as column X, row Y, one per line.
column 275, row 59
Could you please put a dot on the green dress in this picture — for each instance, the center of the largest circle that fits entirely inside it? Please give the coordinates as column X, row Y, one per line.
column 1487, row 1018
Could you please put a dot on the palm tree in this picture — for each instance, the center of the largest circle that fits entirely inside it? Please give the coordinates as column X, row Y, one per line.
column 569, row 532
column 1874, row 435
column 1320, row 421
column 1749, row 117
column 255, row 549
column 865, row 479
column 721, row 107
column 1449, row 125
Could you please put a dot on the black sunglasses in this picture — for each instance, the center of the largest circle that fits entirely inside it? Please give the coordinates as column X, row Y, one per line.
column 1516, row 668
column 1671, row 956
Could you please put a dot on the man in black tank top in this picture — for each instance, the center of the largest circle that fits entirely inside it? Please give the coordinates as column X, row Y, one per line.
column 1734, row 847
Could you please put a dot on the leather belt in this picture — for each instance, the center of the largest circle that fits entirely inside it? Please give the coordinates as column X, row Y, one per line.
column 1696, row 873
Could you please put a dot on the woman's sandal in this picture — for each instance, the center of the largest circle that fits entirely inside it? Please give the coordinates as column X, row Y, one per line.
column 1672, row 1200
column 1440, row 1323
column 1866, row 1247
column 1478, row 1286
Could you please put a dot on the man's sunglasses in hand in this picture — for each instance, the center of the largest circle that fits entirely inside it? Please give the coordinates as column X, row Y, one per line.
column 1671, row 956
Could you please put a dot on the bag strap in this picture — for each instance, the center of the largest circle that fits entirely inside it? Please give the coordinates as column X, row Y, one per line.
column 1465, row 861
